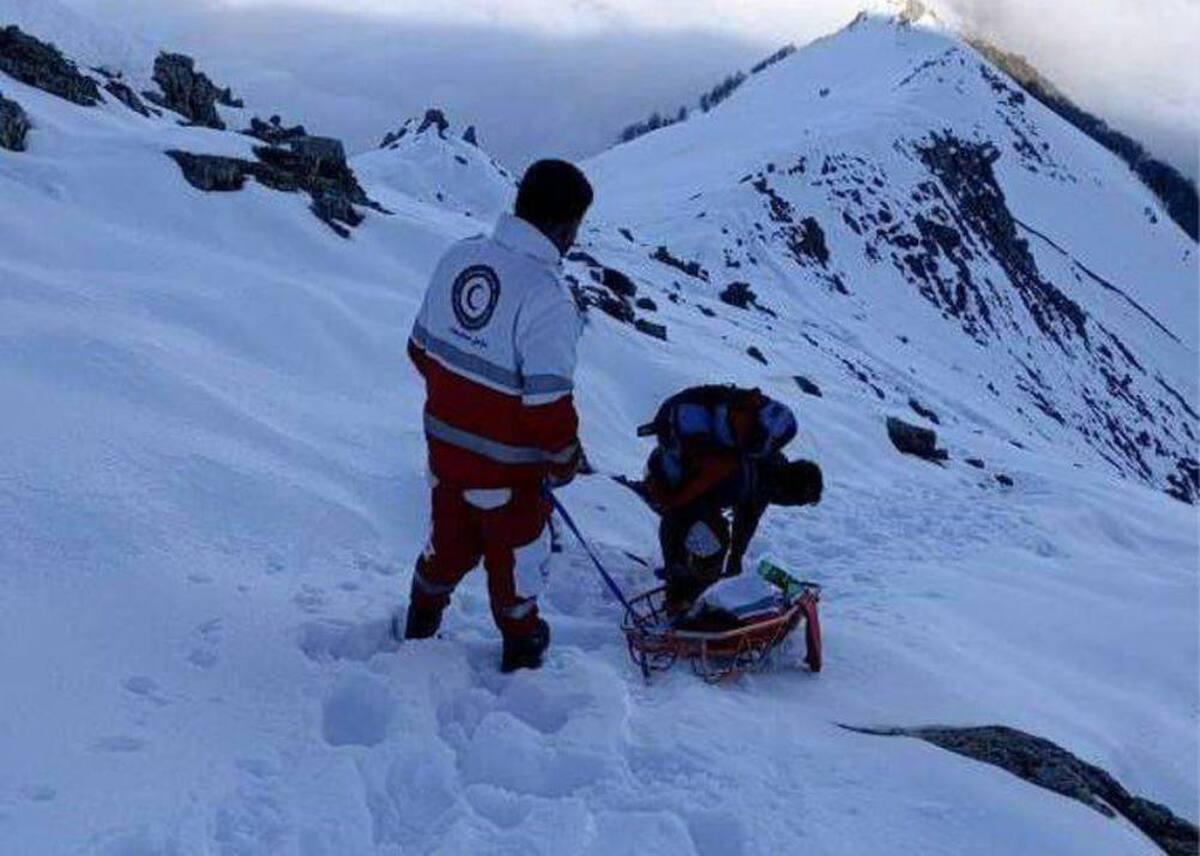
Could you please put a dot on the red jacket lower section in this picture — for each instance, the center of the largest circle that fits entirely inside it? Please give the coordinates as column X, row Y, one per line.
column 504, row 441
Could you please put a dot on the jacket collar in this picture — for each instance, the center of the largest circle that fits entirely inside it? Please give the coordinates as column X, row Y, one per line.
column 523, row 237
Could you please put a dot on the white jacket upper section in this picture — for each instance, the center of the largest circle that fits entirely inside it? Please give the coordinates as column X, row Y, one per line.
column 497, row 313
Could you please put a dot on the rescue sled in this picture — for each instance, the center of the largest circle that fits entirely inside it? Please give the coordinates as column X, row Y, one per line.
column 657, row 641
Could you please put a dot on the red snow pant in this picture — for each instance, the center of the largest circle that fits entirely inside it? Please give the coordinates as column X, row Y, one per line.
column 513, row 542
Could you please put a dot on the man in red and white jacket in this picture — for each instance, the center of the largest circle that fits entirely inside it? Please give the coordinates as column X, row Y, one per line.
column 496, row 340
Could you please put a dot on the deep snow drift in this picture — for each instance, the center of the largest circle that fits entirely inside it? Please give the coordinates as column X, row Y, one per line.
column 212, row 490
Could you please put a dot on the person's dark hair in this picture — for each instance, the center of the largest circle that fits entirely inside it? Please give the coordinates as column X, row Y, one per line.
column 553, row 193
column 795, row 483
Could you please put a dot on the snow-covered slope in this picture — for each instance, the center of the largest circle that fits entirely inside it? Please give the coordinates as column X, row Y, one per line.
column 212, row 491
column 893, row 163
column 429, row 160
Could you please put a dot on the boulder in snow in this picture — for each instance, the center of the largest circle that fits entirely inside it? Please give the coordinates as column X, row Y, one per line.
column 914, row 440
column 274, row 132
column 188, row 92
column 42, row 66
column 14, row 125
column 1050, row 766
column 807, row 386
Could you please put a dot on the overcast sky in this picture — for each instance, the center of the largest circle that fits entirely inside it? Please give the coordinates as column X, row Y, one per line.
column 564, row 76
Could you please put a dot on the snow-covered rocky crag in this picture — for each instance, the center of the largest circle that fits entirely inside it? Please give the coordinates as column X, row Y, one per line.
column 212, row 489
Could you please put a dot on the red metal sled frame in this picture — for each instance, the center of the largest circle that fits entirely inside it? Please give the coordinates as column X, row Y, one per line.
column 655, row 646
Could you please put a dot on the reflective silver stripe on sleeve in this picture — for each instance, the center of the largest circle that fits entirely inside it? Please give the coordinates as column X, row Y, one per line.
column 563, row 457
column 472, row 364
column 547, row 383
column 429, row 587
column 500, row 452
column 518, row 611
column 543, row 398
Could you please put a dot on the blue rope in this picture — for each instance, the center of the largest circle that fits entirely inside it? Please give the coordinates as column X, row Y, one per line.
column 612, row 584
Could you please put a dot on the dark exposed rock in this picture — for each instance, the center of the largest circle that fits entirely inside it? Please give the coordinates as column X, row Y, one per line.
column 470, row 136
column 754, row 353
column 1048, row 765
column 1004, row 479
column 738, row 294
column 807, row 386
column 914, row 440
column 274, row 132
column 211, row 173
column 1184, row 483
column 319, row 152
column 334, row 208
column 123, row 93
column 646, row 304
column 923, row 411
column 807, row 241
column 977, row 463
column 14, row 125
column 434, row 118
column 690, row 268
column 965, row 169
column 315, row 165
column 41, row 65
column 618, row 282
column 188, row 92
column 626, row 234
column 658, row 331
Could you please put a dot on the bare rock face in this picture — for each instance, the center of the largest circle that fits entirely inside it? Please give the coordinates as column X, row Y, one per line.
column 319, row 151
column 433, row 119
column 211, row 173
column 314, row 165
column 274, row 132
column 41, row 65
column 914, row 440
column 1048, row 765
column 14, row 125
column 188, row 92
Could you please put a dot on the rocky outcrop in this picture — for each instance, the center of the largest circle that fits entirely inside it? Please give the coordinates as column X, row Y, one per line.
column 188, row 92
column 807, row 386
column 914, row 440
column 273, row 132
column 923, row 411
column 212, row 173
column 14, row 125
column 314, row 165
column 41, row 65
column 1176, row 192
column 612, row 292
column 433, row 118
column 1048, row 765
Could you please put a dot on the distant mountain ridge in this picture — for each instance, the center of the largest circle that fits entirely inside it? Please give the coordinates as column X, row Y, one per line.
column 1175, row 190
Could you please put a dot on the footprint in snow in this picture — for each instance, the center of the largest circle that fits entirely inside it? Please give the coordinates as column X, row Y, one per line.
column 344, row 640
column 310, row 599
column 144, row 687
column 119, row 743
column 40, row 793
column 357, row 712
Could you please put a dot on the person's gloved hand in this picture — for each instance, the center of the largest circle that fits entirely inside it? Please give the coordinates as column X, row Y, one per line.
column 561, row 475
column 813, row 480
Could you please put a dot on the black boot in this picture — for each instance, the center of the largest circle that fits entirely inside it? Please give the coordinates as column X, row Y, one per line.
column 525, row 652
column 421, row 623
